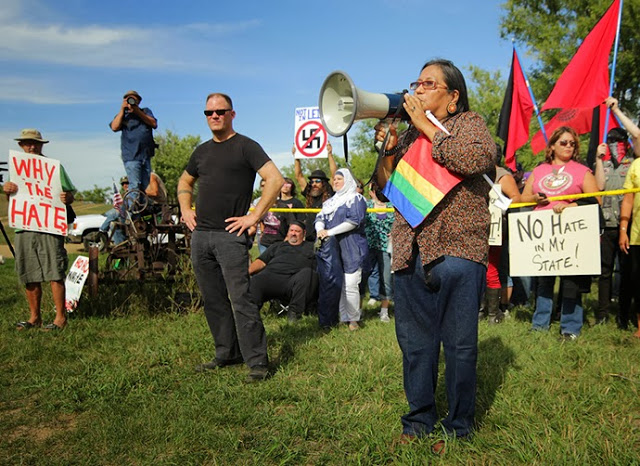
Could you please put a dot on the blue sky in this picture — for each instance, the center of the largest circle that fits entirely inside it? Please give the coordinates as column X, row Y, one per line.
column 67, row 63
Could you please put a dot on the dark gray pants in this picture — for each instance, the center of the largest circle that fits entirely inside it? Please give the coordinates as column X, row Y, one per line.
column 221, row 262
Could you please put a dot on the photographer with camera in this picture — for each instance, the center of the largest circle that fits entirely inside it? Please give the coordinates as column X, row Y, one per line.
column 137, row 145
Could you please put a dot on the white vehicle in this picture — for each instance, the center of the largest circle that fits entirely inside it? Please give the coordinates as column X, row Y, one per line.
column 83, row 226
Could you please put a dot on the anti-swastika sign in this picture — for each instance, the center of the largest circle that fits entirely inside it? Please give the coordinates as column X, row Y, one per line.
column 310, row 136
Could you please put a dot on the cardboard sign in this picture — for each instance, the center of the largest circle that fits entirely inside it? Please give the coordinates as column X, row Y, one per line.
column 495, row 233
column 37, row 205
column 310, row 136
column 74, row 282
column 543, row 243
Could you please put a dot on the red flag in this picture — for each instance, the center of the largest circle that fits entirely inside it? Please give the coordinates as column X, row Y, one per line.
column 578, row 118
column 585, row 81
column 513, row 126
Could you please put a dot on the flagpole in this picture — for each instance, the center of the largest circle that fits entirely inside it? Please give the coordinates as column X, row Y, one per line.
column 533, row 99
column 613, row 72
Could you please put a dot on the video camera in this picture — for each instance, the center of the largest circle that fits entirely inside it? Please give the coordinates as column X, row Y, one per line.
column 3, row 170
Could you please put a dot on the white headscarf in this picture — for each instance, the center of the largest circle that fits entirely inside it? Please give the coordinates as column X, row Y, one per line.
column 345, row 196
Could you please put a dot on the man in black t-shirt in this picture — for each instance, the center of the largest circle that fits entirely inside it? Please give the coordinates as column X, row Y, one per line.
column 225, row 168
column 286, row 271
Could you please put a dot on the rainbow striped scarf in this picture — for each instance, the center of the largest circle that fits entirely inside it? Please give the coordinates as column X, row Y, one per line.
column 418, row 183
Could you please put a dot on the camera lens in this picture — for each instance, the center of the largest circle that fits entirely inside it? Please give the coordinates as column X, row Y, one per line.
column 131, row 100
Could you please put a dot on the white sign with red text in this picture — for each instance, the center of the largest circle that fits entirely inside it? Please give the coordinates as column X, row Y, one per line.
column 37, row 205
column 310, row 136
column 75, row 282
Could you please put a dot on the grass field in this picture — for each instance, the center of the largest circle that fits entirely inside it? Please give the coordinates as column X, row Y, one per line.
column 118, row 387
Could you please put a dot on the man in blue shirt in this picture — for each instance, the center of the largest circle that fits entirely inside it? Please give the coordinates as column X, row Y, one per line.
column 137, row 145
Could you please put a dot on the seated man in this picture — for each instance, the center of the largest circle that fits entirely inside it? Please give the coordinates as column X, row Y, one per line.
column 157, row 194
column 286, row 271
column 116, row 214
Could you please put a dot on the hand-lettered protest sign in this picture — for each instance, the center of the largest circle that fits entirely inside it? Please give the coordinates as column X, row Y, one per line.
column 495, row 233
column 310, row 136
column 75, row 281
column 37, row 205
column 543, row 243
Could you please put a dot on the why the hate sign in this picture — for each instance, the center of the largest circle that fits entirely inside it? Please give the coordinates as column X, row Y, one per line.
column 543, row 243
column 37, row 205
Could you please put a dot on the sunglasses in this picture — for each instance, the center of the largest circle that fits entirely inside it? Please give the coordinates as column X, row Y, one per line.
column 429, row 84
column 316, row 181
column 220, row 112
column 567, row 143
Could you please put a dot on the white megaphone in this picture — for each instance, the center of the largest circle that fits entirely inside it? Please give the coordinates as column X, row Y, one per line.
column 342, row 103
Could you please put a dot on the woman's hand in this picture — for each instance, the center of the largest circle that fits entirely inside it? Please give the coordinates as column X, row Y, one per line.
column 413, row 106
column 558, row 208
column 322, row 234
column 540, row 199
column 381, row 132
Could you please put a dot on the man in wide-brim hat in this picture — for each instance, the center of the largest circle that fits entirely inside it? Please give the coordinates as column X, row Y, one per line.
column 41, row 257
column 316, row 189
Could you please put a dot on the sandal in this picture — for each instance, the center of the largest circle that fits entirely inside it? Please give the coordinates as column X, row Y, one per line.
column 25, row 325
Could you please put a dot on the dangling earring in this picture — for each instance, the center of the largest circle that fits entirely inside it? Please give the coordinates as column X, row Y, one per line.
column 451, row 108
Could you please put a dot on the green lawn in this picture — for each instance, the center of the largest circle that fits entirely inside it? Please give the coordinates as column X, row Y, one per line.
column 118, row 387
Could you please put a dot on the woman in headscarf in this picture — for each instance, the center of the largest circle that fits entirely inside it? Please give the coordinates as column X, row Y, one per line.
column 340, row 228
column 440, row 265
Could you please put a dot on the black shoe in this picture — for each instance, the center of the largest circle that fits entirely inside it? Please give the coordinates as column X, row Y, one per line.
column 568, row 337
column 258, row 374
column 215, row 364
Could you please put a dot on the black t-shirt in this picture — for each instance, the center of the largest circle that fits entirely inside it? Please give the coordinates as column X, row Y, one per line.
column 284, row 259
column 226, row 172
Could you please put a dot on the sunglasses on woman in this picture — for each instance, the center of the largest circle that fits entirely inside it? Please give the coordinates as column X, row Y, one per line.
column 567, row 143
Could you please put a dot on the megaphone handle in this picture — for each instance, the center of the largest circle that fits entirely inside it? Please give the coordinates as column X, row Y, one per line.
column 345, row 146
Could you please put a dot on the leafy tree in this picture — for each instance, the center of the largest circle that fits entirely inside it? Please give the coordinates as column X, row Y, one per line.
column 98, row 195
column 552, row 30
column 172, row 156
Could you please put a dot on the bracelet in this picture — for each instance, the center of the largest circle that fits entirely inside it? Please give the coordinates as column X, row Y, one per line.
column 389, row 153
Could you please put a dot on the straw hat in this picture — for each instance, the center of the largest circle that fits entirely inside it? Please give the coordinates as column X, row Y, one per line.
column 31, row 134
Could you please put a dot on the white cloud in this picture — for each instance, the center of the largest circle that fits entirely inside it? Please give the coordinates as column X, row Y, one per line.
column 39, row 91
column 157, row 47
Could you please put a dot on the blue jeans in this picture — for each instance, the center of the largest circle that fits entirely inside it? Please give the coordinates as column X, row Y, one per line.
column 220, row 262
column 331, row 279
column 374, row 280
column 112, row 216
column 139, row 173
column 443, row 307
column 571, row 315
column 379, row 267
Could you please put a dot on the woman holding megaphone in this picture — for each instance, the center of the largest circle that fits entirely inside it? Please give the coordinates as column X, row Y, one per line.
column 440, row 260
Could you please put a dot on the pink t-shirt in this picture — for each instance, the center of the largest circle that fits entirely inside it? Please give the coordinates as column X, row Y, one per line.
column 558, row 180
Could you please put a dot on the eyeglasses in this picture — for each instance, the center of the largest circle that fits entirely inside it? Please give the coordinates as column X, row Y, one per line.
column 429, row 85
column 316, row 181
column 220, row 112
column 567, row 143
